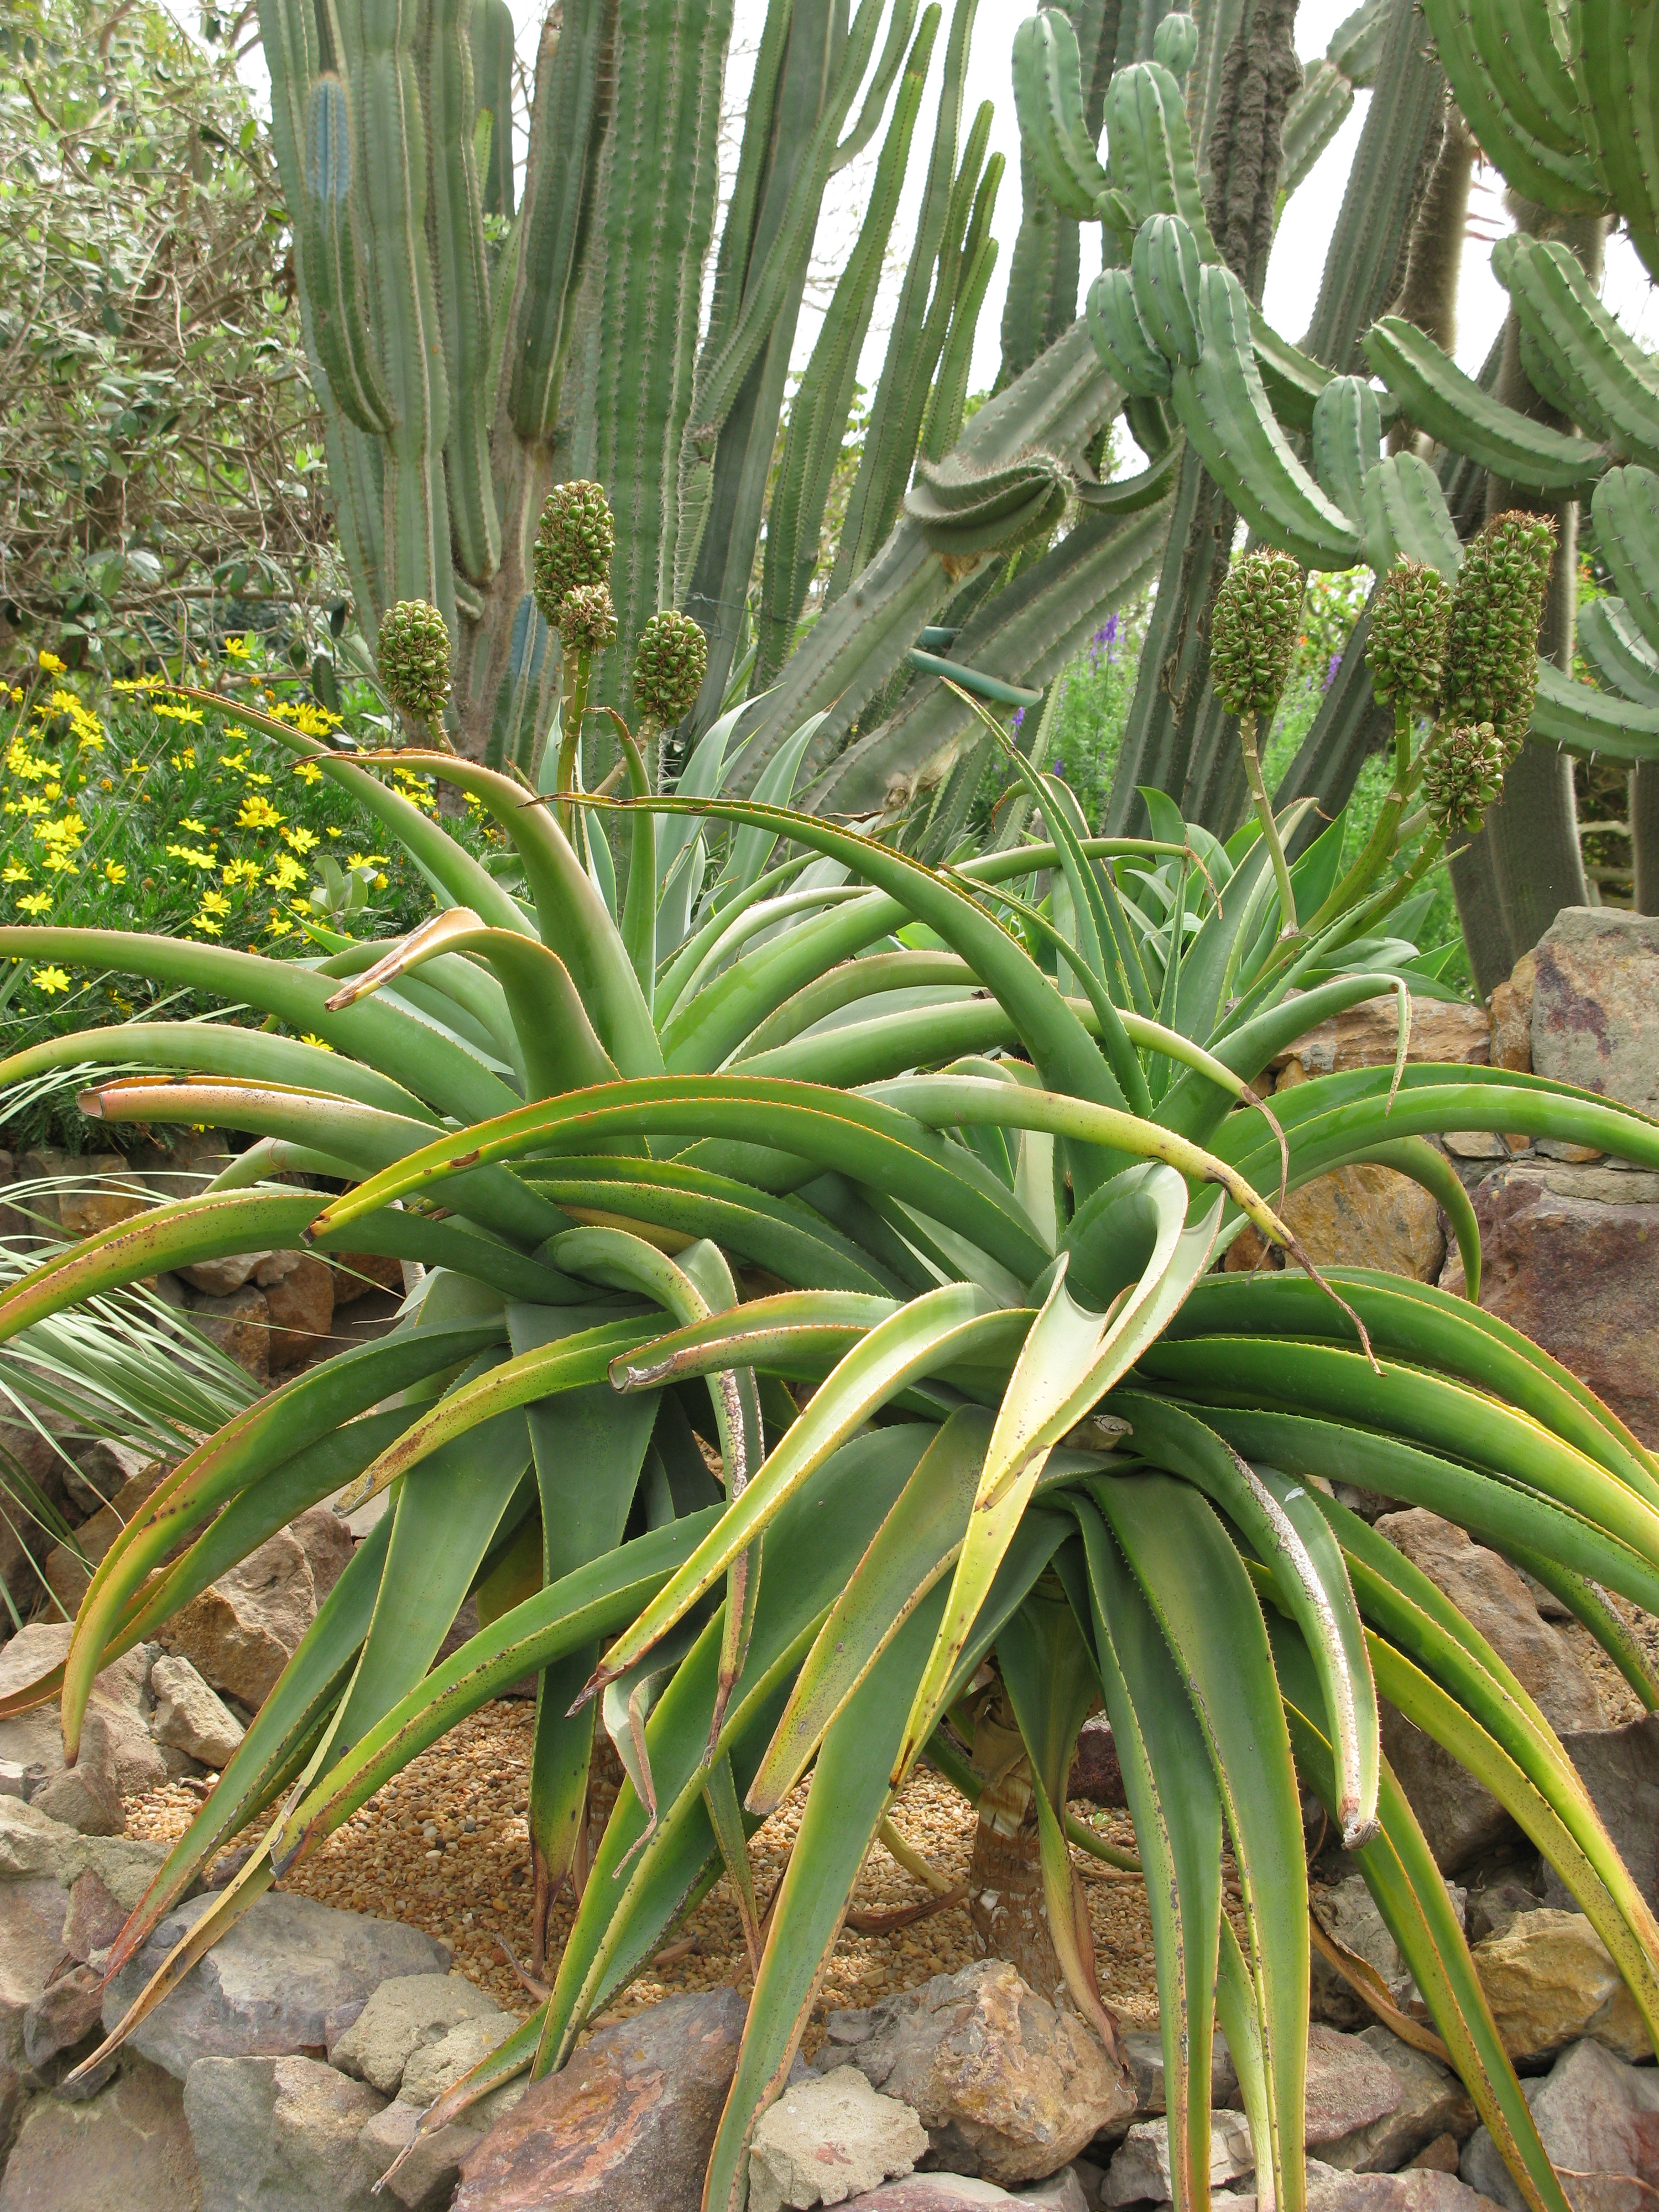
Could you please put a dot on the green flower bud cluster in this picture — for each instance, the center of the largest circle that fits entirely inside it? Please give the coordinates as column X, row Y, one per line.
column 1407, row 652
column 1258, row 613
column 1462, row 776
column 587, row 620
column 413, row 650
column 669, row 662
column 574, row 542
column 1492, row 637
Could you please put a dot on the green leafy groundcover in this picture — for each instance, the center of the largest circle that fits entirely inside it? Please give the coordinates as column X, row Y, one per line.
column 799, row 1119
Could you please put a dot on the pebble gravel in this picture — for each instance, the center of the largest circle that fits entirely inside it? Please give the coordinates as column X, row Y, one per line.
column 445, row 1848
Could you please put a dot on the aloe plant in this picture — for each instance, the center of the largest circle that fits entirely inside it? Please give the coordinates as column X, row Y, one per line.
column 981, row 1132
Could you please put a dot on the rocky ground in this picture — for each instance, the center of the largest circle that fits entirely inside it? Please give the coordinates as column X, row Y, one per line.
column 445, row 1849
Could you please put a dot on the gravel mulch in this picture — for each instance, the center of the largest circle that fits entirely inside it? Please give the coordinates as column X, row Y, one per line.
column 445, row 1848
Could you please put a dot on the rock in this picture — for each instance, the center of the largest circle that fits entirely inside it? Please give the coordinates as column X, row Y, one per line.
column 1432, row 2104
column 828, row 2138
column 1549, row 1980
column 1598, row 2119
column 626, row 2126
column 435, row 2067
column 1571, row 1257
column 67, row 1568
column 1492, row 1909
column 1068, row 2190
column 1347, row 1913
column 30, row 1947
column 101, row 1468
column 188, row 1717
column 1492, row 1598
column 299, row 1306
column 87, row 1796
column 1596, row 986
column 1350, row 2087
column 938, row 2192
column 65, row 2013
column 1368, row 1035
column 1095, row 1773
column 34, row 1848
column 217, row 1278
column 240, row 1326
column 1510, row 1015
column 96, row 1917
column 241, row 1631
column 1460, row 1820
column 401, row 2016
column 119, row 1698
column 13, row 1774
column 266, row 1988
column 1439, row 2156
column 1368, row 1217
column 280, row 2135
column 117, row 1195
column 127, row 2149
column 1418, row 2189
column 1005, row 2085
column 1619, row 1767
column 357, row 1273
column 427, row 2179
column 1144, row 2050
column 1141, row 2169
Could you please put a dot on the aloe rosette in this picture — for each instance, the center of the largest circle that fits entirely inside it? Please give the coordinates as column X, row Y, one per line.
column 957, row 1149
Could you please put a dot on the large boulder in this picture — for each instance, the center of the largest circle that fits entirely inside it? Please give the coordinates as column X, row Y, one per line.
column 299, row 1289
column 1008, row 2086
column 1571, row 1257
column 1550, row 1981
column 280, row 2135
column 829, row 2137
column 1598, row 2119
column 241, row 1631
column 267, row 1987
column 1594, row 991
column 127, row 2149
column 31, row 1945
column 626, row 2126
column 67, row 1568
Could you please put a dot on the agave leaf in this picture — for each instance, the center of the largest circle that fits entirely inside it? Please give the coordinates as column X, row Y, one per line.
column 1070, row 1359
column 850, row 1793
column 1197, row 1586
column 1410, row 1894
column 1588, row 1602
column 277, row 1740
column 245, row 1449
column 861, row 1137
column 555, row 1039
column 1420, row 1323
column 413, row 1053
column 1170, row 1784
column 1287, row 1532
column 782, row 1235
column 951, row 1323
column 1498, row 1512
column 1431, row 1410
column 571, row 914
column 216, row 1048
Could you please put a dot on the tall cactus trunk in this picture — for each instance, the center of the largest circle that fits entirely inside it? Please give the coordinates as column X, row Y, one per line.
column 1174, row 717
column 1529, row 844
